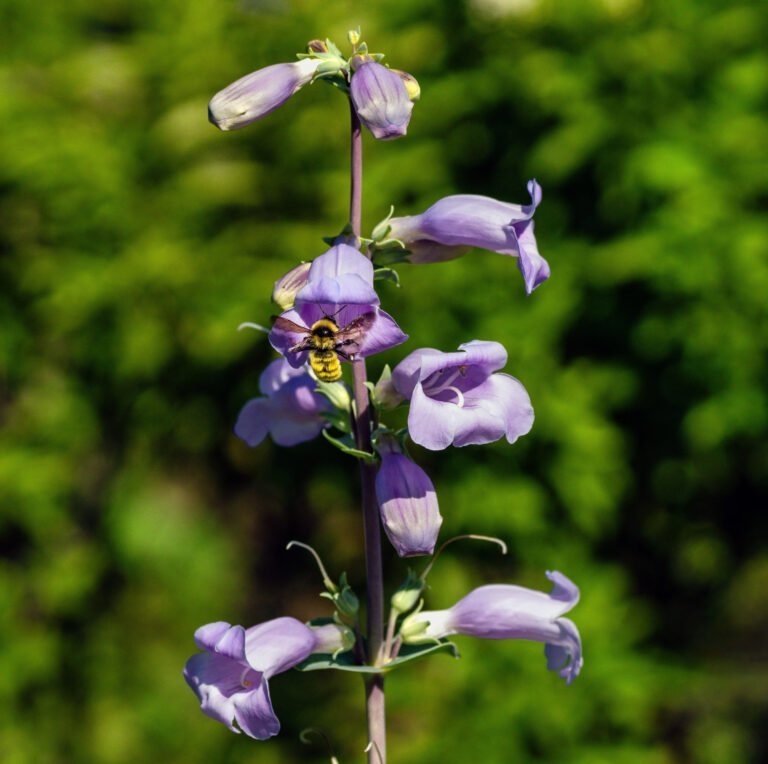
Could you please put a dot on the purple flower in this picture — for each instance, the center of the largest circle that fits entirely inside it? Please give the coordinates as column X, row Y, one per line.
column 259, row 93
column 502, row 611
column 291, row 411
column 381, row 100
column 339, row 285
column 408, row 504
column 231, row 678
column 451, row 224
column 456, row 399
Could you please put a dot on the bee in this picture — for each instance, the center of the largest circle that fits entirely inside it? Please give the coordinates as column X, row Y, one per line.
column 326, row 342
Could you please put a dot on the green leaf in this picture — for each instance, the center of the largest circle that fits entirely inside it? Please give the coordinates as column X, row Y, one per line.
column 346, row 445
column 345, row 661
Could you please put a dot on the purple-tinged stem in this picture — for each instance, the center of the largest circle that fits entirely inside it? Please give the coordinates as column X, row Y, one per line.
column 374, row 683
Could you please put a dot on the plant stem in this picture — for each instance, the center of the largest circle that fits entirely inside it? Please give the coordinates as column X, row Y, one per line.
column 374, row 684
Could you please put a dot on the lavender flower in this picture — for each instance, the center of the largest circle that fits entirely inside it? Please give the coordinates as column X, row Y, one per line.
column 502, row 611
column 291, row 411
column 231, row 678
column 456, row 399
column 259, row 93
column 340, row 284
column 408, row 504
column 381, row 100
column 453, row 223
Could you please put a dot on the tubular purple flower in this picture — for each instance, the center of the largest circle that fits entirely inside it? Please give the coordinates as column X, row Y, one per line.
column 456, row 399
column 339, row 284
column 502, row 611
column 453, row 223
column 408, row 504
column 290, row 411
column 231, row 677
column 381, row 100
column 259, row 93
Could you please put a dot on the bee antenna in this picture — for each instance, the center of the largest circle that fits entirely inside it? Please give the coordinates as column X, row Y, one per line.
column 333, row 315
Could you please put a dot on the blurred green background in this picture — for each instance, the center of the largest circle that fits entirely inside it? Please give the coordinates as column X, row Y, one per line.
column 135, row 238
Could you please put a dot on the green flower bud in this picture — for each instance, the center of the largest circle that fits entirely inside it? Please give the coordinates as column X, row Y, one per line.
column 337, row 393
column 286, row 287
column 385, row 395
column 411, row 84
column 333, row 638
column 413, row 630
column 407, row 596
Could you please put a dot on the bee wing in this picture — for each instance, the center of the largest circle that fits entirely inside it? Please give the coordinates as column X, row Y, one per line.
column 289, row 326
column 355, row 330
column 285, row 325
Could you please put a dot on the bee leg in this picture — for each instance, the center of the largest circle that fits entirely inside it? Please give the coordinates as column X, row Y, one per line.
column 345, row 356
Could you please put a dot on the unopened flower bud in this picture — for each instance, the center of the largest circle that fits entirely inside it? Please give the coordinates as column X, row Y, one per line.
column 407, row 596
column 333, row 638
column 410, row 82
column 346, row 602
column 259, row 93
column 317, row 46
column 286, row 287
column 385, row 394
column 408, row 504
column 413, row 630
column 381, row 100
column 337, row 393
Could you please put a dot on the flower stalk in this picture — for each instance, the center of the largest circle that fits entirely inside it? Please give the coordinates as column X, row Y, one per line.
column 374, row 684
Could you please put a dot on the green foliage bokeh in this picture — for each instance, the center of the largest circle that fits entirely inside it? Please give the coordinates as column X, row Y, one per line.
column 134, row 238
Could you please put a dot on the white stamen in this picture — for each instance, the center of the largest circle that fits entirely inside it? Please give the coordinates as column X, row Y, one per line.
column 459, row 395
column 445, row 385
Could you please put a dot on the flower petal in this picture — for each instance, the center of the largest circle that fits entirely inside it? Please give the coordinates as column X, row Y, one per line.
column 563, row 652
column 431, row 423
column 564, row 589
column 207, row 636
column 276, row 375
column 252, row 423
column 259, row 93
column 282, row 340
column 532, row 265
column 496, row 608
column 254, row 713
column 424, row 251
column 277, row 645
column 384, row 334
column 340, row 276
column 340, row 260
column 381, row 101
column 296, row 412
column 408, row 504
column 499, row 406
column 216, row 681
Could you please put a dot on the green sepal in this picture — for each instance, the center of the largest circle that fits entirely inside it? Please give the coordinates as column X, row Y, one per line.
column 332, row 48
column 345, row 661
column 387, row 274
column 328, row 67
column 345, row 236
column 381, row 229
column 345, row 444
column 389, row 252
column 337, row 419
